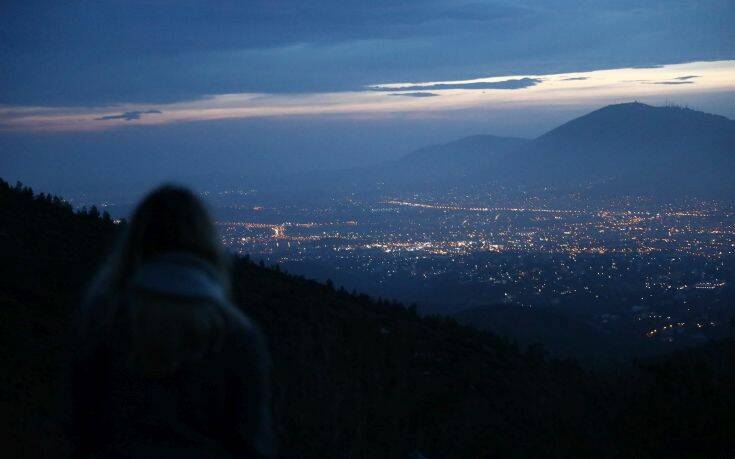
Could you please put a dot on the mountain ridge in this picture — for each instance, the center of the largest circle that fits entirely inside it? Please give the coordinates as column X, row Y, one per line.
column 632, row 139
column 632, row 146
column 478, row 144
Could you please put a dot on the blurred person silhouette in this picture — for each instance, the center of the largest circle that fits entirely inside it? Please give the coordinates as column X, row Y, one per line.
column 165, row 365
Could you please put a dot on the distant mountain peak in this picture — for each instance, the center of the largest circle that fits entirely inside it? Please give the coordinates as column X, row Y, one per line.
column 638, row 146
column 640, row 109
column 624, row 148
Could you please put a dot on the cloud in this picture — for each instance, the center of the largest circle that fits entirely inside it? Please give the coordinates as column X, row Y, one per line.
column 688, row 79
column 517, row 83
column 575, row 78
column 99, row 53
column 128, row 116
column 415, row 94
column 672, row 82
column 609, row 86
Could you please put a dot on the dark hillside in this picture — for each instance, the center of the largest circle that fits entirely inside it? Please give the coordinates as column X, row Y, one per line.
column 680, row 406
column 354, row 377
column 563, row 334
column 48, row 253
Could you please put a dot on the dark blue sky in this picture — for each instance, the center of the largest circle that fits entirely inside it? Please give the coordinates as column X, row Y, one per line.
column 90, row 52
column 126, row 61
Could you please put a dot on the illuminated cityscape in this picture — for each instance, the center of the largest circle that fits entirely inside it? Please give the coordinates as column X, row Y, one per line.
column 654, row 270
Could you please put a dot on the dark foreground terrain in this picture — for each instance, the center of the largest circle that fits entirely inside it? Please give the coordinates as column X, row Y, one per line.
column 358, row 378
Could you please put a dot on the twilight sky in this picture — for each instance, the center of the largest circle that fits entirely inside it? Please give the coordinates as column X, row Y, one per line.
column 192, row 87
